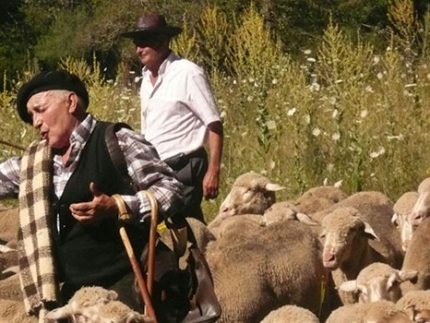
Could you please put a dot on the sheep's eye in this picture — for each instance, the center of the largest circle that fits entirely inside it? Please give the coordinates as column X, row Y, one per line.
column 322, row 235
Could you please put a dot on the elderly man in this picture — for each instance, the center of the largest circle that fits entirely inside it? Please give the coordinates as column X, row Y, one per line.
column 65, row 180
column 179, row 115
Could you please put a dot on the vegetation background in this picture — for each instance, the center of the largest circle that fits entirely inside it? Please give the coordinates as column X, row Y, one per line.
column 311, row 92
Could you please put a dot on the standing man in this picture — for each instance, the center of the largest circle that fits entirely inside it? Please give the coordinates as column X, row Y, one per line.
column 179, row 115
column 66, row 182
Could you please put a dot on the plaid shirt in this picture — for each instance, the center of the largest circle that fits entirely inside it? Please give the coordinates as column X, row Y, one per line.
column 143, row 164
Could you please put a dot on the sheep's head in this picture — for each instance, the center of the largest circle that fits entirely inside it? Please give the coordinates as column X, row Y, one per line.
column 402, row 209
column 343, row 234
column 251, row 193
column 421, row 209
column 85, row 298
column 377, row 282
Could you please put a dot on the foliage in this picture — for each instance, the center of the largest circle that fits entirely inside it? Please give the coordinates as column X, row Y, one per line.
column 342, row 111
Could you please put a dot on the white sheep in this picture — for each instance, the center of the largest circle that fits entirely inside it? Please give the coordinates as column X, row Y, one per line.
column 380, row 311
column 242, row 224
column 319, row 198
column 95, row 305
column 285, row 210
column 291, row 314
column 13, row 311
column 378, row 281
column 274, row 266
column 417, row 258
column 416, row 304
column 346, row 247
column 402, row 209
column 251, row 193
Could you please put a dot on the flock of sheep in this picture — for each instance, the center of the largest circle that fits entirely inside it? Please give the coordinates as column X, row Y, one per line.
column 323, row 257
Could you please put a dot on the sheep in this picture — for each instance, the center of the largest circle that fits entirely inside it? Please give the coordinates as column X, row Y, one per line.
column 9, row 225
column 319, row 198
column 376, row 209
column 274, row 266
column 377, row 282
column 346, row 249
column 10, row 288
column 251, row 193
column 242, row 224
column 421, row 208
column 291, row 314
column 285, row 210
column 402, row 208
column 416, row 304
column 95, row 305
column 380, row 311
column 417, row 258
column 13, row 311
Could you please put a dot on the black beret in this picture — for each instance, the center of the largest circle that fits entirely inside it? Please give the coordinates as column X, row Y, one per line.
column 51, row 80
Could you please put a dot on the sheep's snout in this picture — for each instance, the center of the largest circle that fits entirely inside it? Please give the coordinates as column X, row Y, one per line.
column 329, row 258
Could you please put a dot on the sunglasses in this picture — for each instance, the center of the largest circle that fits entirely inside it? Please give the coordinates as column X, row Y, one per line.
column 147, row 42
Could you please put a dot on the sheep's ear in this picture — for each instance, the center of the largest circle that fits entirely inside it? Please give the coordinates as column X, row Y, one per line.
column 306, row 219
column 369, row 232
column 348, row 286
column 408, row 274
column 60, row 313
column 394, row 220
column 273, row 187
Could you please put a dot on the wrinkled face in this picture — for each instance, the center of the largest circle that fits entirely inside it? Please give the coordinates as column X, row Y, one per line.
column 51, row 112
column 339, row 243
column 421, row 209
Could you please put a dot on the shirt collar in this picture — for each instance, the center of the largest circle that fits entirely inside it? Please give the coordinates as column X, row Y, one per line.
column 163, row 67
column 82, row 132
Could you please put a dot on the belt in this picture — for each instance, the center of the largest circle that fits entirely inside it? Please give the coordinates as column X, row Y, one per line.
column 180, row 160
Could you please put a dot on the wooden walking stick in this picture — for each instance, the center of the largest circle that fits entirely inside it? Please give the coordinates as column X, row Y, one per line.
column 123, row 215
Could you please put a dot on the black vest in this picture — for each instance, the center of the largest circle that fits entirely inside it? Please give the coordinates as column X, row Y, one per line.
column 93, row 254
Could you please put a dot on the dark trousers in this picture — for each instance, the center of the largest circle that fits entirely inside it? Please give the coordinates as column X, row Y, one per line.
column 190, row 169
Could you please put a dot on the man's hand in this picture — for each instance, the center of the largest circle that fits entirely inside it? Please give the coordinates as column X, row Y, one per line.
column 101, row 205
column 210, row 184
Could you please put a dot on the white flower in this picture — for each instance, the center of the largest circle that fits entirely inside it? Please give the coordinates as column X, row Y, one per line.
column 251, row 80
column 363, row 114
column 336, row 136
column 316, row 132
column 223, row 114
column 307, row 51
column 307, row 119
column 376, row 60
column 274, row 81
column 291, row 112
column 379, row 76
column 315, row 87
column 376, row 154
column 271, row 125
column 249, row 98
column 311, row 60
column 335, row 113
column 369, row 89
column 234, row 82
column 338, row 183
column 398, row 137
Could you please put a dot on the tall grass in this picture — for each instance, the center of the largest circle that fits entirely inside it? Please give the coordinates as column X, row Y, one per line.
column 343, row 114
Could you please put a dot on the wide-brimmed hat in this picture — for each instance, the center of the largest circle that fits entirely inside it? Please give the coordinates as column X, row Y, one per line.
column 49, row 80
column 152, row 25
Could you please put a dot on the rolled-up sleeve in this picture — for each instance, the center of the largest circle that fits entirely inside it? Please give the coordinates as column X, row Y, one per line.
column 149, row 173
